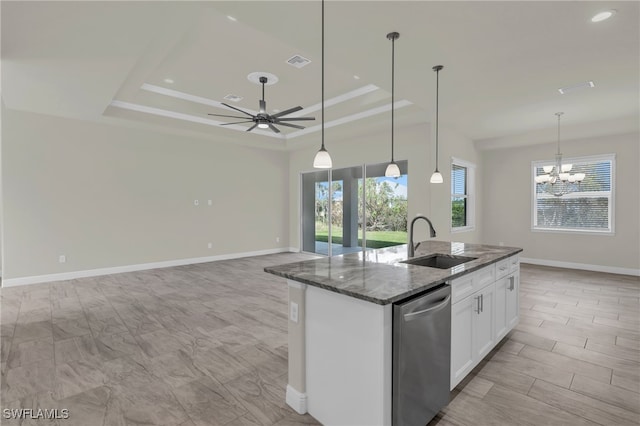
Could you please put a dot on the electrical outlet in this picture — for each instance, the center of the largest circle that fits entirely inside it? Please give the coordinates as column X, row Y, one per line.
column 277, row 239
column 196, row 202
column 62, row 258
column 210, row 245
column 210, row 202
column 293, row 315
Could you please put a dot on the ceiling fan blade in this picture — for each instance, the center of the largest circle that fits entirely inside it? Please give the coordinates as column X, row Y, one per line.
column 230, row 116
column 290, row 125
column 252, row 127
column 237, row 109
column 237, row 122
column 287, row 111
column 274, row 128
column 295, row 119
column 263, row 106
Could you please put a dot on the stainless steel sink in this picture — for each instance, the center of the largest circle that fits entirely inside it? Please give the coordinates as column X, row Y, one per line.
column 439, row 260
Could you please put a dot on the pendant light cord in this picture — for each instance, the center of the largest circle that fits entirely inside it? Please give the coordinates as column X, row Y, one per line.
column 437, row 107
column 393, row 79
column 322, row 78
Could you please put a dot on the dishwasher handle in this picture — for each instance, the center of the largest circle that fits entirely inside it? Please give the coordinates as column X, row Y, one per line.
column 414, row 315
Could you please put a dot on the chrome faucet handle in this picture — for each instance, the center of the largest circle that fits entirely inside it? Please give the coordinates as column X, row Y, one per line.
column 417, row 245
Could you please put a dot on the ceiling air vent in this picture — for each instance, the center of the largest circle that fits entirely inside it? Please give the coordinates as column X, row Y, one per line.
column 576, row 87
column 298, row 61
column 233, row 98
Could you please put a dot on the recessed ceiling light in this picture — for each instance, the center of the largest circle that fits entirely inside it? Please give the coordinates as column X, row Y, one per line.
column 231, row 18
column 169, row 80
column 603, row 15
column 575, row 87
column 357, row 77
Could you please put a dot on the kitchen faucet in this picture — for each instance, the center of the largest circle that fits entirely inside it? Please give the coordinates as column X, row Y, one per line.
column 412, row 248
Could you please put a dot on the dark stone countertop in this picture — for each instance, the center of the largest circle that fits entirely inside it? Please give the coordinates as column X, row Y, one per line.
column 377, row 276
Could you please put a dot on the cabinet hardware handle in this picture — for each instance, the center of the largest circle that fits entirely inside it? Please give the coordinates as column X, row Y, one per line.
column 478, row 304
column 512, row 283
column 482, row 303
column 413, row 315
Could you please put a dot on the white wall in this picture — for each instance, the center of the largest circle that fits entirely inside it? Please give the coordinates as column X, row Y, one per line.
column 109, row 196
column 412, row 144
column 507, row 197
column 455, row 145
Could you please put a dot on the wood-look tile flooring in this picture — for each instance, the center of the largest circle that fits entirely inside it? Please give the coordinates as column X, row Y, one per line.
column 207, row 345
column 192, row 345
column 574, row 358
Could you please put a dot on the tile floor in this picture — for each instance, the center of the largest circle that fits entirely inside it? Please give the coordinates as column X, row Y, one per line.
column 207, row 345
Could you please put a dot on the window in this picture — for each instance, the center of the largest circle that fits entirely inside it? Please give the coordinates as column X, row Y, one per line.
column 462, row 191
column 352, row 209
column 590, row 209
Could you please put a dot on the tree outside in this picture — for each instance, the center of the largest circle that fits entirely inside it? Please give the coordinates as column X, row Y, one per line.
column 386, row 213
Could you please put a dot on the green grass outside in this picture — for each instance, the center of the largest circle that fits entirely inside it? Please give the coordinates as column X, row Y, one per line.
column 375, row 239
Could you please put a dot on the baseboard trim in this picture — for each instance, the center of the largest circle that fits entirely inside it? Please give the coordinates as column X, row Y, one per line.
column 36, row 279
column 582, row 266
column 296, row 400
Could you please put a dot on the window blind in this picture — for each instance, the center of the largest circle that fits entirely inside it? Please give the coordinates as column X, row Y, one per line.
column 588, row 209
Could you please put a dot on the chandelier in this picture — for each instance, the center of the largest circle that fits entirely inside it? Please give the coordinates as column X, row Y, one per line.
column 557, row 180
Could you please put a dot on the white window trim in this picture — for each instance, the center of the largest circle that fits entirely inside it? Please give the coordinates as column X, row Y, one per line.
column 612, row 203
column 471, row 196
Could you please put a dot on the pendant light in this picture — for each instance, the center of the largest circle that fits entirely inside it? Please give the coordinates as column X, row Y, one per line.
column 392, row 169
column 436, row 177
column 322, row 159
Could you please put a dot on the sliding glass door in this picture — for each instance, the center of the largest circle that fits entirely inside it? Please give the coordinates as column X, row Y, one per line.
column 344, row 213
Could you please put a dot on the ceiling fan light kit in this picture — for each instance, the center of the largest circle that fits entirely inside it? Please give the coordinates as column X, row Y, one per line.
column 264, row 120
column 322, row 159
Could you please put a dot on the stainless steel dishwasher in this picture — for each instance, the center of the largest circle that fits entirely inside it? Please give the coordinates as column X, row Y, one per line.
column 421, row 356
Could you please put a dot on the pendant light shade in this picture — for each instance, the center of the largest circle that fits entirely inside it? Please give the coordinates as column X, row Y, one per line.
column 392, row 169
column 322, row 159
column 436, row 177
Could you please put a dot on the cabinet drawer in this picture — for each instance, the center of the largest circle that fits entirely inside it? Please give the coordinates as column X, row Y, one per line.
column 514, row 263
column 502, row 268
column 483, row 277
column 470, row 283
column 461, row 287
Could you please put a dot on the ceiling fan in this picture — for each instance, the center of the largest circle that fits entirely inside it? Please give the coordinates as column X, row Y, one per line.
column 263, row 120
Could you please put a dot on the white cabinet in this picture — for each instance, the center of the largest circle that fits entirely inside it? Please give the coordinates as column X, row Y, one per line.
column 483, row 330
column 484, row 308
column 472, row 321
column 512, row 300
column 462, row 318
column 501, row 307
column 507, row 304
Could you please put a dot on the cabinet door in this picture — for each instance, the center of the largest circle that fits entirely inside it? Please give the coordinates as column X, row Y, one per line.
column 501, row 307
column 483, row 330
column 512, row 300
column 462, row 317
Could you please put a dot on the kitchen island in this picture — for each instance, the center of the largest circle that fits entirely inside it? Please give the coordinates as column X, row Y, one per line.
column 341, row 322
